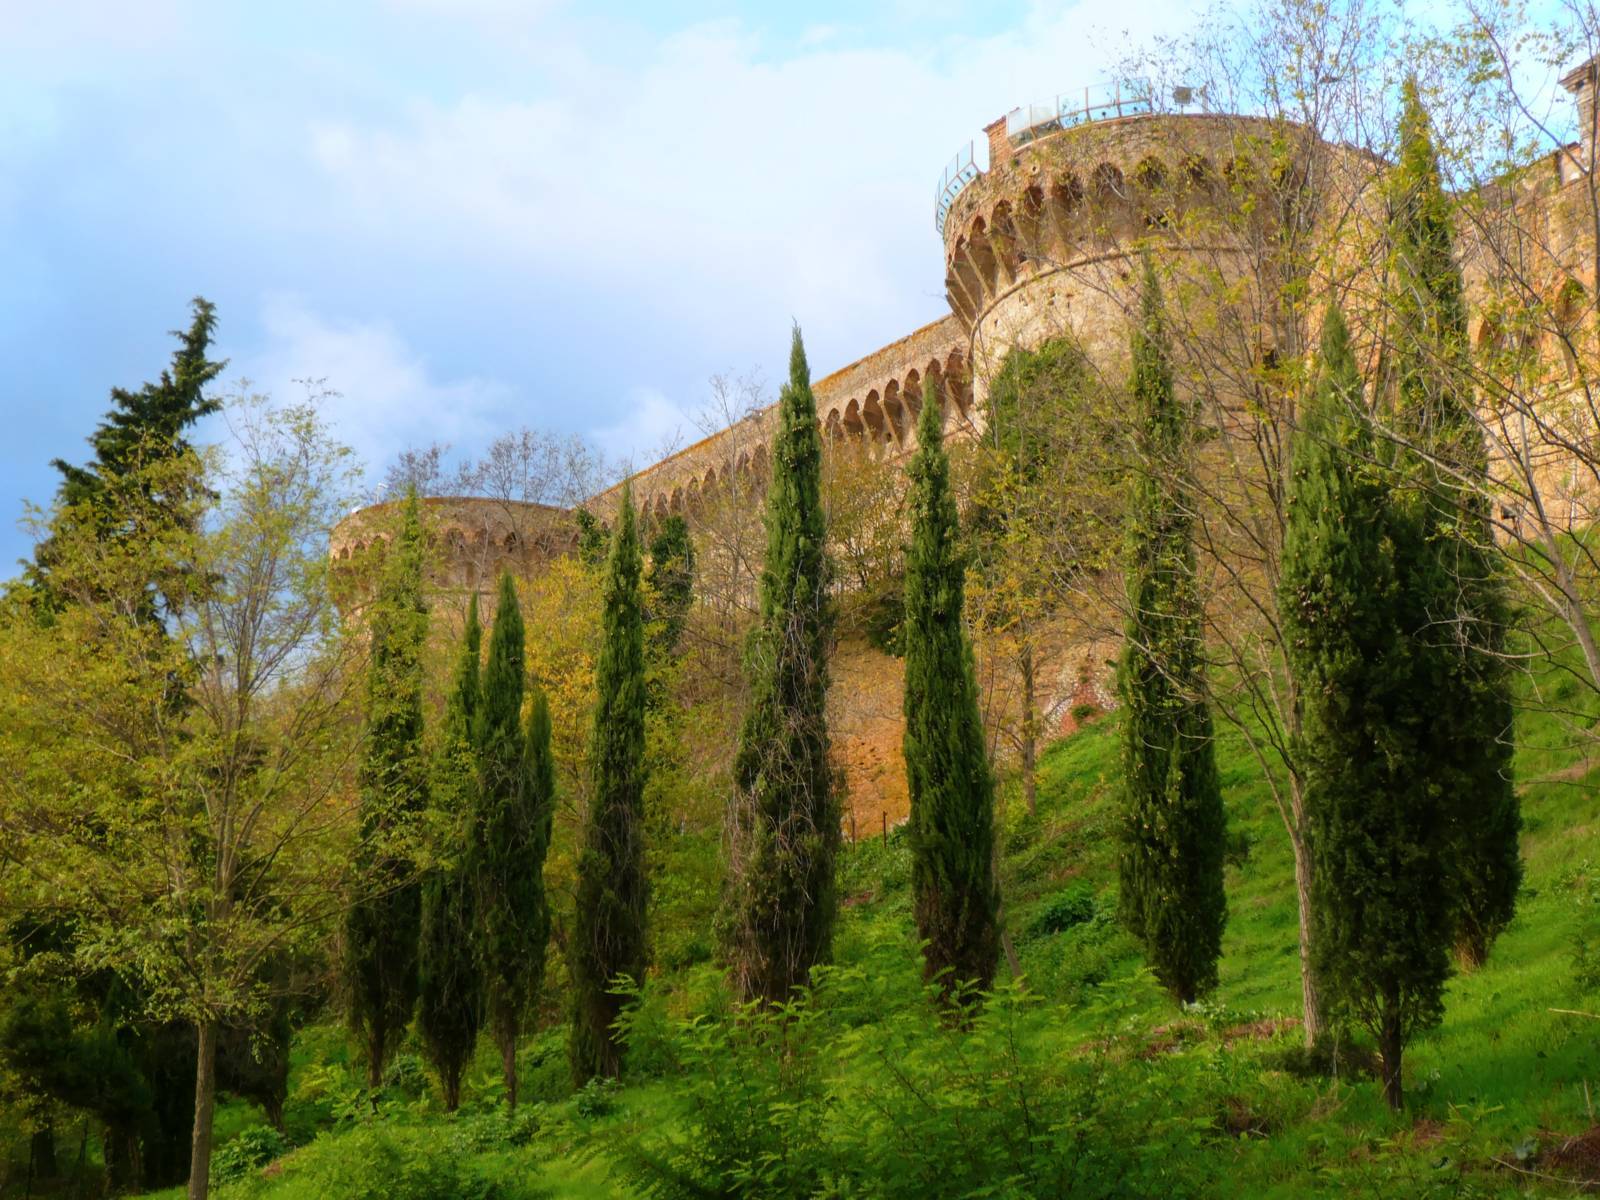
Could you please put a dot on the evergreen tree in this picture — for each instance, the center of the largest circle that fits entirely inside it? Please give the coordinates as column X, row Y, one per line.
column 1175, row 828
column 956, row 896
column 608, row 924
column 382, row 925
column 782, row 900
column 1465, row 605
column 1375, row 815
column 670, row 582
column 512, row 837
column 141, row 428
column 450, row 999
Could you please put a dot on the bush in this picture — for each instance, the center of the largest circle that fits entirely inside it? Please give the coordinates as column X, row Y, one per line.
column 376, row 1162
column 252, row 1149
column 1064, row 910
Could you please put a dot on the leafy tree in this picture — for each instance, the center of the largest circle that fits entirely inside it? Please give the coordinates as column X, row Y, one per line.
column 512, row 836
column 608, row 939
column 1174, row 831
column 957, row 898
column 782, row 900
column 450, row 978
column 1040, row 513
column 383, row 923
column 1465, row 604
column 594, row 535
column 1375, row 813
column 176, row 790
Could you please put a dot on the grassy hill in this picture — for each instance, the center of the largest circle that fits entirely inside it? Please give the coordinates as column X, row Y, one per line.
column 1086, row 1082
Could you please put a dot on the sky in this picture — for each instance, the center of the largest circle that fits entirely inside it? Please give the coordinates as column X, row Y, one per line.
column 467, row 216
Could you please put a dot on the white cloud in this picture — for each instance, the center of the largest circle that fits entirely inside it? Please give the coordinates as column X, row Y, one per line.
column 730, row 187
column 388, row 397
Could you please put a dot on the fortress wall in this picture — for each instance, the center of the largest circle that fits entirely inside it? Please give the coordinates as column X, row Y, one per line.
column 874, row 400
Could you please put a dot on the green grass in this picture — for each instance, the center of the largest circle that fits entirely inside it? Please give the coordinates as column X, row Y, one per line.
column 1503, row 1078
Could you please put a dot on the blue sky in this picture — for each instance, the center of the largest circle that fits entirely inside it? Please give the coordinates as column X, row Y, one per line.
column 471, row 215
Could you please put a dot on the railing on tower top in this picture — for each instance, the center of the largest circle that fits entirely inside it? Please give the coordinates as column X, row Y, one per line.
column 1098, row 102
column 962, row 170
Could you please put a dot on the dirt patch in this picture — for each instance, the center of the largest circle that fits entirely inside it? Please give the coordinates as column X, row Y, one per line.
column 1577, row 1157
column 1259, row 1031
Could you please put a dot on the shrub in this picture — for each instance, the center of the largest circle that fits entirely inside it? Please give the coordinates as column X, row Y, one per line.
column 1064, row 910
column 251, row 1149
column 374, row 1162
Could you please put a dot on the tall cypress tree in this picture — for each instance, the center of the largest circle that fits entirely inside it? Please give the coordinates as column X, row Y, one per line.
column 608, row 923
column 450, row 999
column 1375, row 815
column 1175, row 828
column 782, row 899
column 1464, row 601
column 511, row 838
column 956, row 896
column 382, row 925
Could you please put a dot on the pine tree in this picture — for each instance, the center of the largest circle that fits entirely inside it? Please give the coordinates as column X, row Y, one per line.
column 512, row 837
column 1466, row 607
column 450, row 999
column 608, row 938
column 143, row 427
column 956, row 896
column 1375, row 816
column 782, row 900
column 1175, row 828
column 382, row 925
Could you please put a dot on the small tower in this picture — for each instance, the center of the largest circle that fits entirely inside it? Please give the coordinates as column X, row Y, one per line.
column 1581, row 82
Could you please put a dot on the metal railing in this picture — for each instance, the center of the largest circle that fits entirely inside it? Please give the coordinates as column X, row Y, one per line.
column 1098, row 102
column 961, row 170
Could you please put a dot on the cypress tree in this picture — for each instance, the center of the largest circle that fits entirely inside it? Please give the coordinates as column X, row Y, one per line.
column 512, row 838
column 450, row 999
column 782, row 901
column 1464, row 603
column 382, row 925
column 956, row 897
column 1375, row 815
column 608, row 924
column 670, row 579
column 1175, row 828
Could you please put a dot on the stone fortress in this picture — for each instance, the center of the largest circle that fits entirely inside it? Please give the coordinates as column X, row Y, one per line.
column 1043, row 241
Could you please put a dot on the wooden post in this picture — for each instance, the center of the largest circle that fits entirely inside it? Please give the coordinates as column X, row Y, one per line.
column 884, row 813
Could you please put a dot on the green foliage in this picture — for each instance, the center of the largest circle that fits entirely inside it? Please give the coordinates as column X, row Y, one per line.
column 608, row 938
column 781, row 901
column 670, row 584
column 1375, row 816
column 1175, row 830
column 516, row 797
column 382, row 926
column 143, row 427
column 594, row 536
column 450, row 994
column 1066, row 909
column 251, row 1150
column 1455, row 567
column 957, row 898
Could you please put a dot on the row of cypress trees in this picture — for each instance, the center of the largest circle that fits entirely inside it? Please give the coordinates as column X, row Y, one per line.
column 463, row 944
column 1395, row 618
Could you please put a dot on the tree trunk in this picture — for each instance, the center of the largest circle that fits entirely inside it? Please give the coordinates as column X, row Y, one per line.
column 374, row 1064
column 508, row 1064
column 205, row 1102
column 42, row 1153
column 1310, row 997
column 1390, row 1048
column 1030, row 729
